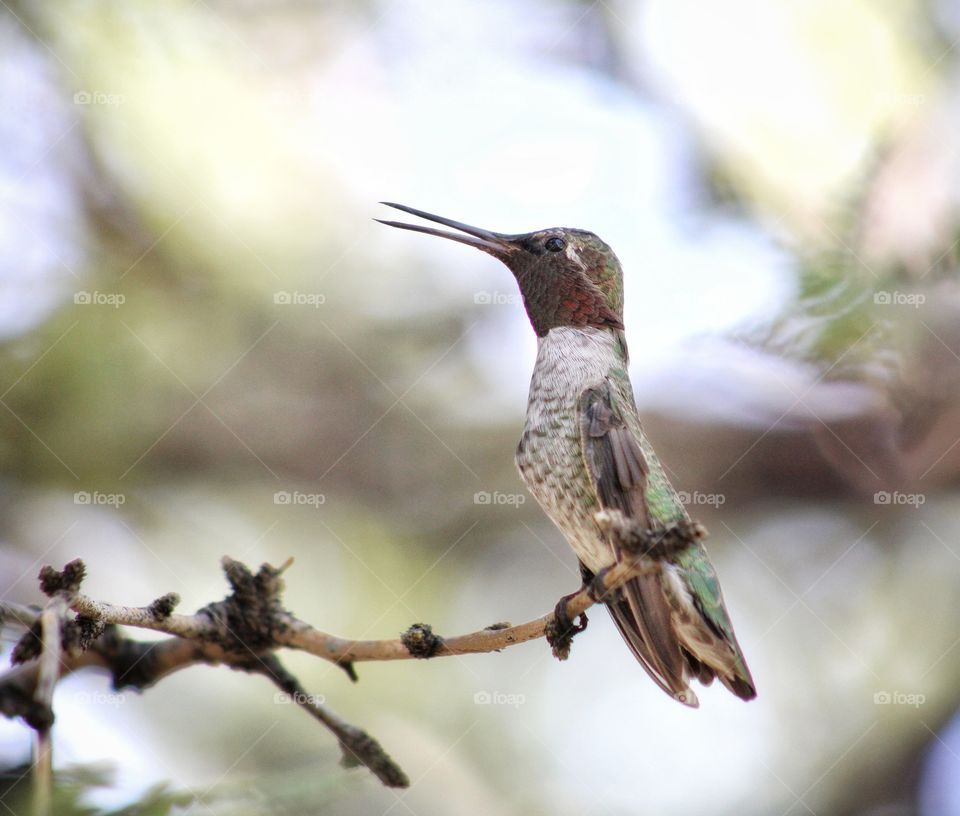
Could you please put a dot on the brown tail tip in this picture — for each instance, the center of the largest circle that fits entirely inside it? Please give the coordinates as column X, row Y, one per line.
column 743, row 689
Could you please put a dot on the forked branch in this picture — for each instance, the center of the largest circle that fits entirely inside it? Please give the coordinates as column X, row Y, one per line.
column 246, row 629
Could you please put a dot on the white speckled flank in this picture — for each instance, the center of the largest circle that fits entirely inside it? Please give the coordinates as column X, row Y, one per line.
column 549, row 456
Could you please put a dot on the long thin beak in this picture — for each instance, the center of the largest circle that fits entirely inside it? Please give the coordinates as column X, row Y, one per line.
column 497, row 244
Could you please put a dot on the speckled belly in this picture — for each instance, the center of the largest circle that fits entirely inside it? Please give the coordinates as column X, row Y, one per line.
column 553, row 470
column 549, row 456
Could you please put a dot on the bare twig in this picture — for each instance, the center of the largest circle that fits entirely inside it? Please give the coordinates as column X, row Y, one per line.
column 245, row 629
column 293, row 633
column 358, row 747
column 47, row 676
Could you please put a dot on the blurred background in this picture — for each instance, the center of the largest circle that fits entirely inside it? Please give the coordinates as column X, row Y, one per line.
column 208, row 347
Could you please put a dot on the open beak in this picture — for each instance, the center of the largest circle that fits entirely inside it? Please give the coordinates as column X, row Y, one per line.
column 495, row 243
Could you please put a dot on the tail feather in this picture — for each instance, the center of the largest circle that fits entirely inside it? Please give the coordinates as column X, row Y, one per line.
column 735, row 682
column 643, row 618
column 740, row 685
column 711, row 650
column 700, row 670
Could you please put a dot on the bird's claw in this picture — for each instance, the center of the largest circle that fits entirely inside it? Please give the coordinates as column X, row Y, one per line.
column 561, row 631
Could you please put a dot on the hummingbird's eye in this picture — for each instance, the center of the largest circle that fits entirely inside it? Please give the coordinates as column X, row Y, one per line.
column 555, row 243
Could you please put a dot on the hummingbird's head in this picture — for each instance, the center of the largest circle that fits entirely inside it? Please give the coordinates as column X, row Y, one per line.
column 567, row 277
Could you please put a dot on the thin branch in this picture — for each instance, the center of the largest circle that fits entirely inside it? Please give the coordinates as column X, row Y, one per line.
column 358, row 747
column 246, row 628
column 157, row 616
column 47, row 676
column 303, row 636
column 293, row 633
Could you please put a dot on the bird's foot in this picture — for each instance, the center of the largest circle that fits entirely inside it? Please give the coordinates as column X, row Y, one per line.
column 657, row 543
column 561, row 631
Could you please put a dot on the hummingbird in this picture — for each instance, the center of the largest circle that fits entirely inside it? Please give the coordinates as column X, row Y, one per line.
column 584, row 457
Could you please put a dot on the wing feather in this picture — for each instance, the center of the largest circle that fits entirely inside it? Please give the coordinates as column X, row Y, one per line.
column 619, row 471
